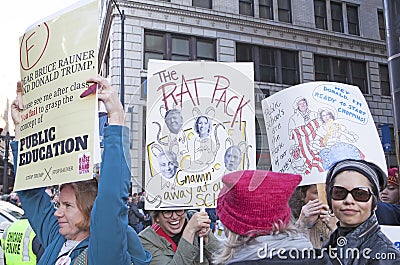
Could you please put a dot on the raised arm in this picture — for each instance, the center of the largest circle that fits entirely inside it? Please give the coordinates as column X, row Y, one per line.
column 109, row 220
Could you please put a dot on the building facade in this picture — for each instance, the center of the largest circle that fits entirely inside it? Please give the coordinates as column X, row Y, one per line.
column 290, row 42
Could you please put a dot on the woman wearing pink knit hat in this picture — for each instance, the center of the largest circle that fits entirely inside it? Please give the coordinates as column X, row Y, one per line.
column 391, row 193
column 253, row 206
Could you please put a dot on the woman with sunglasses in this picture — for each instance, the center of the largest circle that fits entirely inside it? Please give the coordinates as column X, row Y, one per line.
column 172, row 239
column 352, row 189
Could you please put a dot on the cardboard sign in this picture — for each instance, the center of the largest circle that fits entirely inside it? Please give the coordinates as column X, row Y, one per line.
column 200, row 125
column 59, row 130
column 313, row 125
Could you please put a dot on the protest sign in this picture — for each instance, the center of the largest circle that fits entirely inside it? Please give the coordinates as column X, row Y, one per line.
column 59, row 130
column 313, row 125
column 200, row 125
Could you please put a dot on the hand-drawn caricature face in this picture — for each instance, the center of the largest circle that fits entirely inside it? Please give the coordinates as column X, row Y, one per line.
column 203, row 126
column 232, row 158
column 302, row 105
column 174, row 120
column 326, row 115
column 168, row 164
column 295, row 152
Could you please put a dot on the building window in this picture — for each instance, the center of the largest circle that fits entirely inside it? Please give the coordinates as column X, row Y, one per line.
column 341, row 70
column 246, row 7
column 320, row 14
column 205, row 49
column 143, row 88
column 284, row 11
column 154, row 44
column 322, row 68
column 384, row 77
column 270, row 65
column 337, row 17
column 167, row 46
column 266, row 10
column 180, row 48
column 381, row 25
column 263, row 159
column 352, row 20
column 202, row 3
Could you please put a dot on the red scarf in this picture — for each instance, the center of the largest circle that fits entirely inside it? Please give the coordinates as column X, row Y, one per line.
column 157, row 228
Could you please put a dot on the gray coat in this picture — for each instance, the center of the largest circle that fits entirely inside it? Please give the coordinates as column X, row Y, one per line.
column 186, row 254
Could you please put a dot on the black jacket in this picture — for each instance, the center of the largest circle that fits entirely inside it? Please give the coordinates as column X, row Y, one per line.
column 368, row 240
column 388, row 214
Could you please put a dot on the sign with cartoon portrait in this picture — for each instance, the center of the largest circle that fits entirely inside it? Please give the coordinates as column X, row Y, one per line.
column 200, row 125
column 313, row 125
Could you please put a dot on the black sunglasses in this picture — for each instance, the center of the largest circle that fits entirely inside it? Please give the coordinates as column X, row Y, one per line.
column 360, row 194
column 168, row 214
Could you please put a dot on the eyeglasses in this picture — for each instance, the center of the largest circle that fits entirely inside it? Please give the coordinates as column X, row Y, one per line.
column 360, row 194
column 168, row 214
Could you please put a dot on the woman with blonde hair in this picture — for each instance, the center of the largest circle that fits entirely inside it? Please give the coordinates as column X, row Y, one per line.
column 253, row 206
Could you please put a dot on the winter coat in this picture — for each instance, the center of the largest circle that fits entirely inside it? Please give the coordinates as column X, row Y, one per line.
column 388, row 214
column 368, row 240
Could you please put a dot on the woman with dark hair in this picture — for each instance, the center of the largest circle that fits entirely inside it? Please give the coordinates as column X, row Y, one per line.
column 352, row 189
column 203, row 126
column 90, row 225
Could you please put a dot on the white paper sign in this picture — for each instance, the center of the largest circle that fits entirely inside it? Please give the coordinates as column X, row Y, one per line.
column 313, row 125
column 200, row 126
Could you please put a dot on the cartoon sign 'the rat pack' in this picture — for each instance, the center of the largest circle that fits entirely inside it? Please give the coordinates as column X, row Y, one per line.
column 200, row 125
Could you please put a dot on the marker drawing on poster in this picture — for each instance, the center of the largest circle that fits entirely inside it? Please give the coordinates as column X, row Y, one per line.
column 313, row 125
column 200, row 125
column 59, row 130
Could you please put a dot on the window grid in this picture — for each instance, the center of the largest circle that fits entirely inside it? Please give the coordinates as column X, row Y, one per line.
column 337, row 17
column 384, row 80
column 341, row 70
column 381, row 25
column 202, row 3
column 246, row 7
column 352, row 20
column 320, row 14
column 167, row 46
column 284, row 11
column 270, row 64
column 266, row 9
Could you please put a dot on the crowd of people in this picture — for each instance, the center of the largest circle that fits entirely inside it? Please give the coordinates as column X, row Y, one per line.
column 267, row 217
